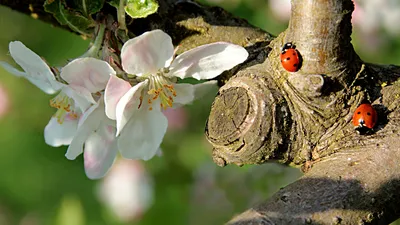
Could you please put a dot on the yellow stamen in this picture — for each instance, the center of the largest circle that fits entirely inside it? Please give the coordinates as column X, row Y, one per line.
column 162, row 88
column 65, row 107
column 73, row 115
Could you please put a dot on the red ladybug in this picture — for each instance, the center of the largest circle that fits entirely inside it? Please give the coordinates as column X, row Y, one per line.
column 290, row 57
column 365, row 116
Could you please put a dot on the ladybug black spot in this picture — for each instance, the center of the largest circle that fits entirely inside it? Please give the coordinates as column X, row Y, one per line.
column 368, row 113
column 288, row 58
column 294, row 53
column 358, row 112
column 295, row 65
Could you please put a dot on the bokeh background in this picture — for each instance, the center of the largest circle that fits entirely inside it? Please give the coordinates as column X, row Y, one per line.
column 38, row 185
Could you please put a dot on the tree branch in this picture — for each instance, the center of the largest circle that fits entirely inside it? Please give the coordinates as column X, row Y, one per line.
column 266, row 113
column 357, row 186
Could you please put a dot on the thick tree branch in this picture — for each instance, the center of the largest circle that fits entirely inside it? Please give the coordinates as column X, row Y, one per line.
column 356, row 186
column 321, row 30
column 266, row 113
column 263, row 112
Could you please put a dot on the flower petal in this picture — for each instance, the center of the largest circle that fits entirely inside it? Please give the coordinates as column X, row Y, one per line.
column 128, row 104
column 79, row 100
column 204, row 88
column 127, row 190
column 147, row 53
column 207, row 61
column 89, row 73
column 43, row 85
column 34, row 66
column 82, row 93
column 100, row 151
column 12, row 70
column 56, row 134
column 41, row 80
column 184, row 93
column 88, row 123
column 143, row 134
column 115, row 89
column 28, row 60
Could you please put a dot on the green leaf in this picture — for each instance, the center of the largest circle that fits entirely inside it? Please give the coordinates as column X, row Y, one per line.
column 64, row 16
column 86, row 7
column 141, row 8
column 114, row 3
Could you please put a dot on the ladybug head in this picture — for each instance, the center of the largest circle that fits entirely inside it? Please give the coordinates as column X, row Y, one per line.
column 288, row 45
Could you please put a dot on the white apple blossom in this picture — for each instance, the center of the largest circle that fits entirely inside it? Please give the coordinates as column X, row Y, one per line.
column 80, row 119
column 39, row 73
column 95, row 134
column 137, row 109
column 127, row 190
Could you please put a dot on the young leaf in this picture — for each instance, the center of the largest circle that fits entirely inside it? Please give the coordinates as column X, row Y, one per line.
column 86, row 7
column 114, row 3
column 141, row 8
column 72, row 19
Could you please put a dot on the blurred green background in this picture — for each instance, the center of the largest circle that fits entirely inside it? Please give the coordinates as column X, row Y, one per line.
column 38, row 185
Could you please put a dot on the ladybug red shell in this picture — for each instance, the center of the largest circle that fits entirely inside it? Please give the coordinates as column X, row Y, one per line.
column 290, row 57
column 365, row 116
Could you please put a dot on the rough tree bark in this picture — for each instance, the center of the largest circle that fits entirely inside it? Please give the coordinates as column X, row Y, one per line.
column 264, row 113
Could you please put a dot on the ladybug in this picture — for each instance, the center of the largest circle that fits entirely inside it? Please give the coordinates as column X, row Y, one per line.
column 290, row 57
column 365, row 116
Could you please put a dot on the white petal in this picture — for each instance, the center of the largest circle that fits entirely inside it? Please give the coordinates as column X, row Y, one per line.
column 184, row 93
column 12, row 70
column 43, row 84
column 199, row 90
column 128, row 104
column 27, row 59
column 56, row 134
column 207, row 61
column 89, row 73
column 100, row 151
column 34, row 66
column 147, row 53
column 88, row 123
column 79, row 100
column 82, row 93
column 204, row 88
column 127, row 190
column 143, row 135
column 115, row 89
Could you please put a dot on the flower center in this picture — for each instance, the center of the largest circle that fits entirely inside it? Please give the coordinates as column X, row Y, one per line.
column 162, row 88
column 65, row 107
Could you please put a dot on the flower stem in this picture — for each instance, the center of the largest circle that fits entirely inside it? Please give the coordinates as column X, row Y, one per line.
column 121, row 15
column 95, row 48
